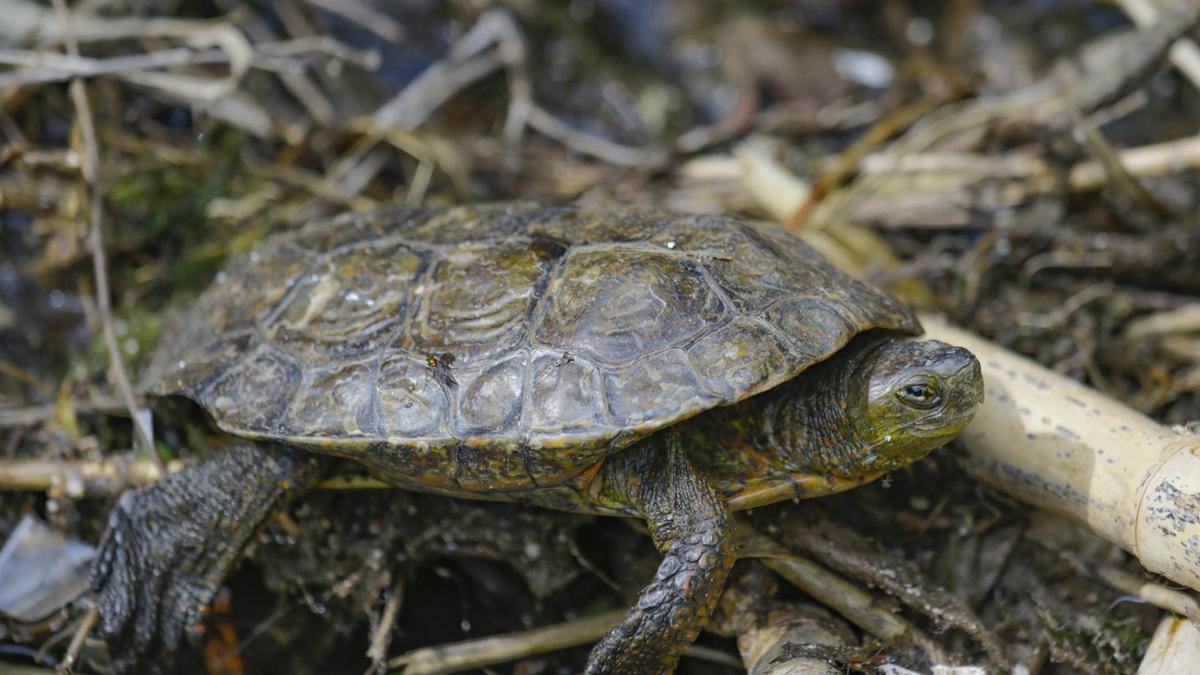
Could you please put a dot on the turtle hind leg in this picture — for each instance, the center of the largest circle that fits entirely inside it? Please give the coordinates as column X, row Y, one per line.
column 169, row 545
column 690, row 524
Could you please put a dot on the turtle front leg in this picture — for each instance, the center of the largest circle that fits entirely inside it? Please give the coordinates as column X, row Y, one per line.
column 169, row 545
column 690, row 524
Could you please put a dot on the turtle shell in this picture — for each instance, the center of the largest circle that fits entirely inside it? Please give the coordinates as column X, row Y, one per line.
column 505, row 346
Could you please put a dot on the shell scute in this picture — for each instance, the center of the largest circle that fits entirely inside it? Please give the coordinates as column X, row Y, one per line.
column 252, row 395
column 614, row 304
column 567, row 392
column 491, row 400
column 322, row 236
column 334, row 401
column 249, row 291
column 195, row 369
column 477, row 302
column 412, row 403
column 738, row 358
column 351, row 305
column 755, row 272
column 654, row 388
column 457, row 224
column 814, row 326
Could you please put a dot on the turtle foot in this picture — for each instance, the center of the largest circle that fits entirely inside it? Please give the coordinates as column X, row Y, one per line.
column 690, row 524
column 168, row 547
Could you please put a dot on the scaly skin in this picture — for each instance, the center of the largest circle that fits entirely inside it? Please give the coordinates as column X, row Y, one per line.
column 168, row 547
column 843, row 419
column 691, row 526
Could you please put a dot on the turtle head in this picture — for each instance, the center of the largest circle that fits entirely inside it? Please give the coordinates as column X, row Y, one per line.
column 915, row 395
column 879, row 404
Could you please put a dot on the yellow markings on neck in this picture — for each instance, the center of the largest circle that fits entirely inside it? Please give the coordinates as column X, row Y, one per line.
column 796, row 486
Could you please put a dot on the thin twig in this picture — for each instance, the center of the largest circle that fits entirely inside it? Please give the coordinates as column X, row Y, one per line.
column 1118, row 176
column 90, row 167
column 1178, row 602
column 587, row 144
column 364, row 15
column 500, row 648
column 21, row 374
column 28, row 416
column 437, row 84
column 280, row 55
column 49, row 67
column 383, row 632
column 85, row 626
column 853, row 603
column 302, row 86
column 845, row 551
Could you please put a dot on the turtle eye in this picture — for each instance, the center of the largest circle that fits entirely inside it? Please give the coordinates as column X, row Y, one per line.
column 920, row 395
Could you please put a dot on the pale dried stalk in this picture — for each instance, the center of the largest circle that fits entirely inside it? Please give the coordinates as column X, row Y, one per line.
column 918, row 188
column 501, row 648
column 1184, row 54
column 850, row 601
column 67, row 664
column 1185, row 319
column 1061, row 446
column 382, row 635
column 111, row 475
column 365, row 16
column 80, row 478
column 1149, row 160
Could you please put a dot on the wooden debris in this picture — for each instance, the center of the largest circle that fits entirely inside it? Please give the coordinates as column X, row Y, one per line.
column 1061, row 446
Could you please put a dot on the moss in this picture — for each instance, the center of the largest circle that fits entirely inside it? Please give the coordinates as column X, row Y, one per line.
column 1108, row 643
column 162, row 205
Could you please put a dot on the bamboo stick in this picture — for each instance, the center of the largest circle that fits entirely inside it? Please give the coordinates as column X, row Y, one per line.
column 1175, row 648
column 1066, row 448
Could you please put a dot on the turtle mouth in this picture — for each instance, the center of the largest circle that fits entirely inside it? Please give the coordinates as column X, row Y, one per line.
column 939, row 424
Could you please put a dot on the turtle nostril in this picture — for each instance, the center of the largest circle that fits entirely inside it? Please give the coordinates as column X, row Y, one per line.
column 958, row 359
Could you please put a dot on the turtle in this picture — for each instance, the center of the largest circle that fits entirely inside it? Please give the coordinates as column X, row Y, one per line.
column 669, row 367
